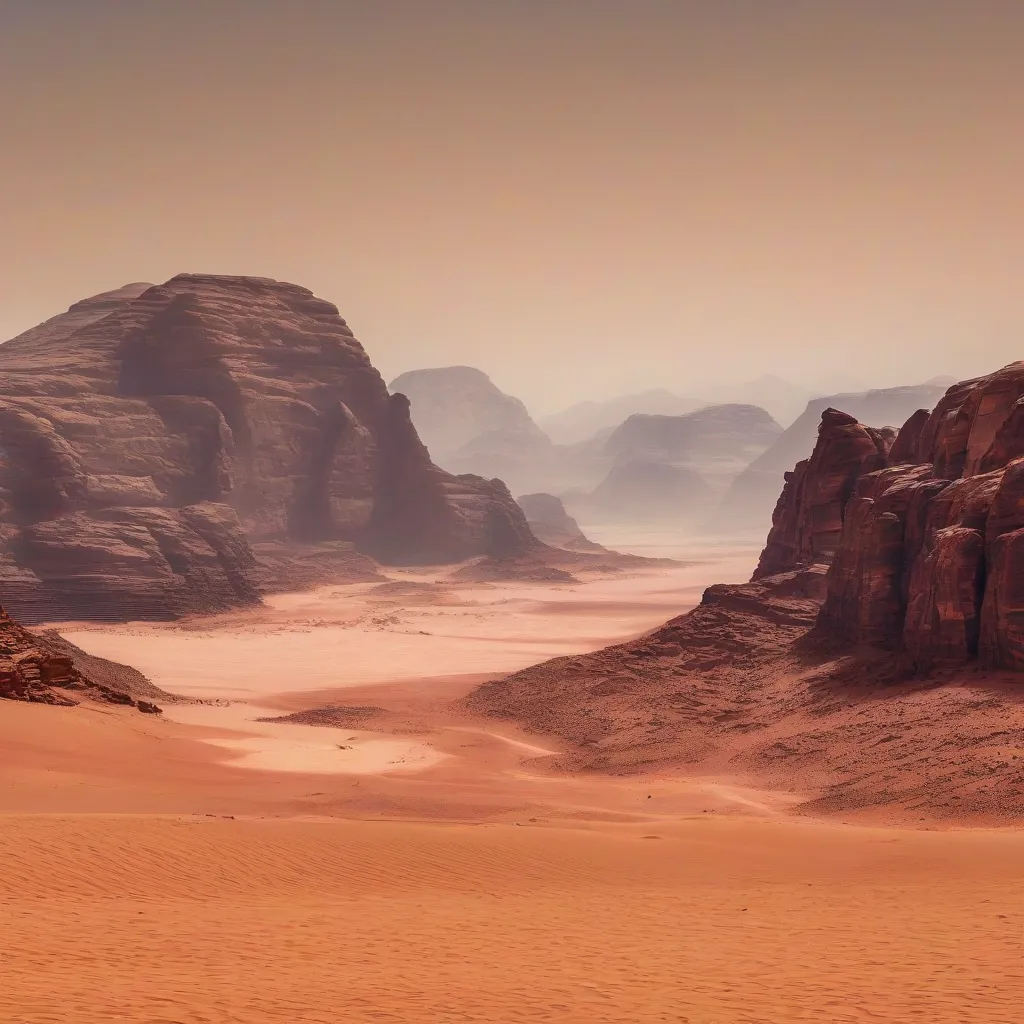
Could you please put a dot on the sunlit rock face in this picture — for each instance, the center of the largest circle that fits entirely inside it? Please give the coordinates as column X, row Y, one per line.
column 923, row 533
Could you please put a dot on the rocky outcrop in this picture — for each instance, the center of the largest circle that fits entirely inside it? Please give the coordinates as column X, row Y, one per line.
column 454, row 405
column 151, row 438
column 748, row 502
column 43, row 670
column 808, row 517
column 551, row 524
column 929, row 557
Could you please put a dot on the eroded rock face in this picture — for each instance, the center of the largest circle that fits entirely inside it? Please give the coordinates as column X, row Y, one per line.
column 149, row 435
column 748, row 503
column 36, row 669
column 930, row 554
column 809, row 515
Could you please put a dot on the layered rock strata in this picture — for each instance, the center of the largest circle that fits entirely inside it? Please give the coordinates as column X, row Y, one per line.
column 924, row 537
column 150, row 437
column 44, row 670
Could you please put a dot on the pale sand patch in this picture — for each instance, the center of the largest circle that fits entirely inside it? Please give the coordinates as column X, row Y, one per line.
column 337, row 637
column 286, row 747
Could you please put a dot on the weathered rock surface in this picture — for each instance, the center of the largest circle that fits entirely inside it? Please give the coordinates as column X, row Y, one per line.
column 808, row 517
column 150, row 437
column 929, row 557
column 747, row 504
column 808, row 678
column 46, row 669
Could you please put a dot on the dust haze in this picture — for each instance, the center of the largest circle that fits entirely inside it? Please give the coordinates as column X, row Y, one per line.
column 511, row 511
column 583, row 199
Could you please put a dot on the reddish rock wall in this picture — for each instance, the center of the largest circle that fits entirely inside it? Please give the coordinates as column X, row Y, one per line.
column 149, row 435
column 930, row 555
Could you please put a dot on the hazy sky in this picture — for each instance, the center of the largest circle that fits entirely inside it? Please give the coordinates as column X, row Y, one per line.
column 581, row 197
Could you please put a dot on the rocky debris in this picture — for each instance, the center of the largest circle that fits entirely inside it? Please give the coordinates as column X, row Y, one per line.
column 744, row 687
column 37, row 669
column 151, row 437
column 110, row 674
column 750, row 498
column 330, row 715
column 551, row 524
column 518, row 570
column 927, row 560
column 602, row 702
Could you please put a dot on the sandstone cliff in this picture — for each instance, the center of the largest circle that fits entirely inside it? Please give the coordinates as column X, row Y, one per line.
column 153, row 437
column 747, row 505
column 924, row 538
column 872, row 665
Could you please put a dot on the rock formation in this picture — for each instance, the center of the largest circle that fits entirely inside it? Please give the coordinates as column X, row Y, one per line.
column 924, row 538
column 809, row 514
column 45, row 670
column 748, row 502
column 894, row 562
column 453, row 405
column 471, row 426
column 155, row 439
column 738, row 432
column 551, row 524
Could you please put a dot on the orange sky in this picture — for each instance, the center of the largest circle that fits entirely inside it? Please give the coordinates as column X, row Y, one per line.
column 630, row 194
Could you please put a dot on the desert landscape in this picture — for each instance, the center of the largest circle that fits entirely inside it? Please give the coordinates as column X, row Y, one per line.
column 511, row 513
column 504, row 787
column 376, row 851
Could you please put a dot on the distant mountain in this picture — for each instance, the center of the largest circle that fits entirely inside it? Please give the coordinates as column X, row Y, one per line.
column 454, row 405
column 719, row 431
column 653, row 467
column 469, row 425
column 640, row 490
column 748, row 504
column 582, row 421
column 552, row 524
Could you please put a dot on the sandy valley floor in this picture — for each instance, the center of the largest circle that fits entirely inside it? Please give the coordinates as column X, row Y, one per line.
column 207, row 868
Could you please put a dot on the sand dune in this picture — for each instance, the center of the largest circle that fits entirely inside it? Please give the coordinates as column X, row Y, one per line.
column 206, row 921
